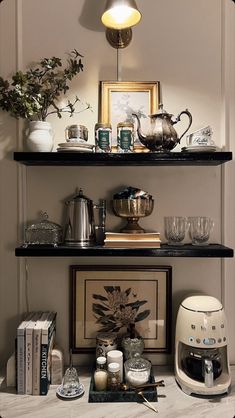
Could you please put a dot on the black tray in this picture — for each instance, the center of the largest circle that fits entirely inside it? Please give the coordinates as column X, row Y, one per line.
column 121, row 395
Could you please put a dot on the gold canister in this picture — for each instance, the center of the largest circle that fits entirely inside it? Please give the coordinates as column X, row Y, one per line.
column 103, row 137
column 125, row 137
column 105, row 342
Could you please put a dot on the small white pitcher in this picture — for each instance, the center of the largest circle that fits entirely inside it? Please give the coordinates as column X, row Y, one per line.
column 40, row 137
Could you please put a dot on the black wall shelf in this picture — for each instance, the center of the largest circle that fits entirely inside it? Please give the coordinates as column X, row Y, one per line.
column 115, row 159
column 187, row 250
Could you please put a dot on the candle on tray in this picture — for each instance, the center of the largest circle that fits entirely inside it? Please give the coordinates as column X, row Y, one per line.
column 100, row 375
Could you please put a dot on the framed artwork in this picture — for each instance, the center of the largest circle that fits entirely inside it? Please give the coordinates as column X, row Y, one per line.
column 113, row 298
column 119, row 99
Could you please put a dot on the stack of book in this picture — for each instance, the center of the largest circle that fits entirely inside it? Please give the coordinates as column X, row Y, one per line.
column 126, row 240
column 34, row 343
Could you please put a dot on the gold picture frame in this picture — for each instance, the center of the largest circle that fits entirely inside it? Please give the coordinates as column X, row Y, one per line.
column 145, row 296
column 119, row 99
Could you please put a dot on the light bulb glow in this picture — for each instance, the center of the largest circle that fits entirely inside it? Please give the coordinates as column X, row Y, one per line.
column 120, row 14
column 121, row 17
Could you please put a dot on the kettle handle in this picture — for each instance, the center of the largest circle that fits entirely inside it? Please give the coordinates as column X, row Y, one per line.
column 185, row 112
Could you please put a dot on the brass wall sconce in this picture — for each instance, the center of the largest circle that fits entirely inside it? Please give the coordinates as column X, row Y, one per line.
column 118, row 17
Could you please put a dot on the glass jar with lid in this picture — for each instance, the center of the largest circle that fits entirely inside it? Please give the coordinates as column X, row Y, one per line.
column 114, row 379
column 137, row 371
column 43, row 232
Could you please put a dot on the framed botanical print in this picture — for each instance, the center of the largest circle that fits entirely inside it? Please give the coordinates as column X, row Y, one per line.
column 114, row 298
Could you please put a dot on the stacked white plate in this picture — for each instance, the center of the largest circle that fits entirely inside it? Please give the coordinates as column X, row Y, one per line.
column 199, row 148
column 78, row 146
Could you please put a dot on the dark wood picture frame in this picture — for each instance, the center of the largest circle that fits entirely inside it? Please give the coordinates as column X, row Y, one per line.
column 135, row 282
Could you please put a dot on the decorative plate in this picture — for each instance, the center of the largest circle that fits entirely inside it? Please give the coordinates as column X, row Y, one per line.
column 200, row 148
column 75, row 393
column 77, row 149
column 80, row 144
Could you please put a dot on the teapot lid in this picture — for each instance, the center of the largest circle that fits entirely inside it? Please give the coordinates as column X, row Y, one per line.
column 161, row 112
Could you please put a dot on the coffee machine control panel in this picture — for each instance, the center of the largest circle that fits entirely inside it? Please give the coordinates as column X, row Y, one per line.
column 209, row 341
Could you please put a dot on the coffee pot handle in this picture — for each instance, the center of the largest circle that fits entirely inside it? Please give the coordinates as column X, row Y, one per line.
column 101, row 206
column 184, row 112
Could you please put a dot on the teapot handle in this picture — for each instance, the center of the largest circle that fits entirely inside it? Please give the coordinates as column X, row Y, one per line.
column 185, row 112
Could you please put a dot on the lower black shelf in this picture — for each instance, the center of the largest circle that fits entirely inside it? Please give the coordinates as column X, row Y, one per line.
column 187, row 250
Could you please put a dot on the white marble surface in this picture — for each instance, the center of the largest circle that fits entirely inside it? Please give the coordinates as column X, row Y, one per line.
column 175, row 404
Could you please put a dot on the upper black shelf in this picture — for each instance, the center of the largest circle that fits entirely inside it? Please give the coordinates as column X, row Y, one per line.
column 187, row 250
column 115, row 159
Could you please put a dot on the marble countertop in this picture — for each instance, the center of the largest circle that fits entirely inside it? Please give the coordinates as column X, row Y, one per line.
column 172, row 403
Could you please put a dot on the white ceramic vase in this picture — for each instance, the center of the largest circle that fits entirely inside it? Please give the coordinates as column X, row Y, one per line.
column 40, row 137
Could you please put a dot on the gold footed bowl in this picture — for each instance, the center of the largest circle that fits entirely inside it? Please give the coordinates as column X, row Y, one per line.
column 132, row 210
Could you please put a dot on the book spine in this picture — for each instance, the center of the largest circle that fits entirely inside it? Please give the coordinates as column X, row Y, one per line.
column 47, row 342
column 43, row 370
column 36, row 361
column 29, row 362
column 20, row 363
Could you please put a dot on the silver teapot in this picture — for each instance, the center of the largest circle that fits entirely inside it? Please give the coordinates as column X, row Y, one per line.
column 162, row 136
column 80, row 228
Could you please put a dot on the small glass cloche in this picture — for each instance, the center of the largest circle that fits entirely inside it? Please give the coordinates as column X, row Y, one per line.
column 43, row 232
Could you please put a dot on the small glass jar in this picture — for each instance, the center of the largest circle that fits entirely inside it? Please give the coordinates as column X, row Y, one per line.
column 103, row 137
column 137, row 371
column 105, row 342
column 114, row 380
column 101, row 374
column 125, row 137
column 132, row 347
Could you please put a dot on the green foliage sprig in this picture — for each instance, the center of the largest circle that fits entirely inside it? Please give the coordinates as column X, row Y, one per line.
column 34, row 95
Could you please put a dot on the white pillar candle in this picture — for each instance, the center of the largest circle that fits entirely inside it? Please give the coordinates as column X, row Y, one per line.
column 100, row 379
column 116, row 356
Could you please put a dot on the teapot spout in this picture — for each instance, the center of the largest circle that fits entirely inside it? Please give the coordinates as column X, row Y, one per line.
column 141, row 136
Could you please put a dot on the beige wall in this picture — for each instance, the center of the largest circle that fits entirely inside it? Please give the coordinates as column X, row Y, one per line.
column 181, row 44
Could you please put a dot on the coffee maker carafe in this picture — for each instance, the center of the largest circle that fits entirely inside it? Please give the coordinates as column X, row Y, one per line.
column 201, row 350
column 80, row 229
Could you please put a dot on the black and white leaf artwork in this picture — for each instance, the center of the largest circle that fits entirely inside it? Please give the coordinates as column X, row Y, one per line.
column 118, row 309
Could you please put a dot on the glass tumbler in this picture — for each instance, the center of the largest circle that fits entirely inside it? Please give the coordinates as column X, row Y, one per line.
column 199, row 229
column 175, row 229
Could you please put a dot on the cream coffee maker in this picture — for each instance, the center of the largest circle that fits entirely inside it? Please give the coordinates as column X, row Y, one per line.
column 201, row 350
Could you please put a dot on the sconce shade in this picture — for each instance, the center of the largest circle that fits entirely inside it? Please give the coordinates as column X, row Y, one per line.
column 120, row 14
